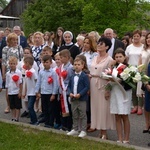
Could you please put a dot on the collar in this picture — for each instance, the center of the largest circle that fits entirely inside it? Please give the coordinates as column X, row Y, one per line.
column 69, row 44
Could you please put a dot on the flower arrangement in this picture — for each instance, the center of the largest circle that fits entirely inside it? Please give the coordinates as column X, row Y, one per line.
column 15, row 78
column 50, row 80
column 29, row 74
column 64, row 74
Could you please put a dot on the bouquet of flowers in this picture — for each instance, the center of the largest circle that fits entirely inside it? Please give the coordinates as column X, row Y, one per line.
column 132, row 75
column 28, row 74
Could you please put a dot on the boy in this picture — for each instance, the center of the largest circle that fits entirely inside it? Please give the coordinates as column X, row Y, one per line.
column 14, row 88
column 47, row 86
column 78, row 88
column 30, row 81
column 65, row 72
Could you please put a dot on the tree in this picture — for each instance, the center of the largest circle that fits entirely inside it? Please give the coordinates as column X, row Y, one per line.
column 3, row 3
column 121, row 15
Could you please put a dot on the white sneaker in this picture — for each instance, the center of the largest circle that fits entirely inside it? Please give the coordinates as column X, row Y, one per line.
column 82, row 134
column 72, row 132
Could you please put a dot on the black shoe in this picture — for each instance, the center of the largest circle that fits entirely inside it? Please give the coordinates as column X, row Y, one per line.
column 147, row 131
column 28, row 116
column 35, row 123
column 41, row 115
column 24, row 114
column 48, row 126
column 42, row 120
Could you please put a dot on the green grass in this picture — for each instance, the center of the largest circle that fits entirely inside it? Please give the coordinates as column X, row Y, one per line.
column 13, row 137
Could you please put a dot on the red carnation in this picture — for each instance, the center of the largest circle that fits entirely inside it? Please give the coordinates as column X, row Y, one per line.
column 58, row 71
column 29, row 74
column 64, row 74
column 50, row 80
column 24, row 67
column 121, row 68
column 15, row 78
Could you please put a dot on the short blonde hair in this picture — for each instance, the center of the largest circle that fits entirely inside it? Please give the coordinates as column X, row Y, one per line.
column 11, row 37
column 13, row 59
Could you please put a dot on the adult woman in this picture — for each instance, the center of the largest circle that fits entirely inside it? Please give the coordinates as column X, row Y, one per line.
column 30, row 40
column 80, row 42
column 74, row 50
column 48, row 40
column 95, row 35
column 12, row 49
column 38, row 43
column 101, row 118
column 145, row 59
column 133, row 52
column 89, row 47
column 58, row 41
column 125, row 40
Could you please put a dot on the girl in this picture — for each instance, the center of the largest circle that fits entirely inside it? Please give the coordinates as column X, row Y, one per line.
column 48, row 40
column 118, row 105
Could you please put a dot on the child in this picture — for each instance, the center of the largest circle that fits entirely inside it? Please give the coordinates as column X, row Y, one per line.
column 47, row 86
column 14, row 88
column 78, row 88
column 118, row 105
column 65, row 72
column 27, row 52
column 30, row 81
column 47, row 51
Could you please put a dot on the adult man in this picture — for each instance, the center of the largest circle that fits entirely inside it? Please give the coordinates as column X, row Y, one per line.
column 115, row 42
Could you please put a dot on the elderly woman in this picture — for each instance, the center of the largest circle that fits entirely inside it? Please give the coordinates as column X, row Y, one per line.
column 68, row 38
column 101, row 119
column 12, row 49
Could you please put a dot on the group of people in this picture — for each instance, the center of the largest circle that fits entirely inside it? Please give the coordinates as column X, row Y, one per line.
column 66, row 77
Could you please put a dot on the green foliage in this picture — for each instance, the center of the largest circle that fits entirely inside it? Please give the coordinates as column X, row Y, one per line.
column 14, row 137
column 120, row 15
column 3, row 3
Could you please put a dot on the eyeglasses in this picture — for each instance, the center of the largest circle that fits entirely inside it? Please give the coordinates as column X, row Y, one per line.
column 100, row 43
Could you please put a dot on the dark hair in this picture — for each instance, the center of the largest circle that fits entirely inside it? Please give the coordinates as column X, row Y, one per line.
column 29, row 59
column 46, row 58
column 120, row 51
column 137, row 32
column 127, row 40
column 107, row 42
column 28, row 48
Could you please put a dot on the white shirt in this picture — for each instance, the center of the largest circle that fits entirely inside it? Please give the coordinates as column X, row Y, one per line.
column 31, row 82
column 12, row 86
column 76, row 79
column 133, row 53
column 111, row 50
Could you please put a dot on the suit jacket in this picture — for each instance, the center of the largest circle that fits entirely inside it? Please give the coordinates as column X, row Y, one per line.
column 118, row 44
column 23, row 43
column 82, row 87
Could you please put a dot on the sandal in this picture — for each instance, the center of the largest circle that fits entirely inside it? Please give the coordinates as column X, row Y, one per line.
column 91, row 130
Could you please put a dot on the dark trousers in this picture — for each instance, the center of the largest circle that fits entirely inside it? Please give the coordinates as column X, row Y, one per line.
column 48, row 108
column 88, row 110
column 67, row 121
column 31, row 101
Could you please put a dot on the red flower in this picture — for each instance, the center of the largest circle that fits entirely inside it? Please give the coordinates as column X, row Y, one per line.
column 24, row 67
column 58, row 71
column 50, row 80
column 29, row 74
column 121, row 68
column 15, row 78
column 64, row 74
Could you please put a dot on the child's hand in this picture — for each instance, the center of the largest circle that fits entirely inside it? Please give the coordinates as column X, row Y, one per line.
column 148, row 87
column 107, row 95
column 38, row 95
column 19, row 95
column 23, row 96
column 71, row 95
column 77, row 96
column 52, row 98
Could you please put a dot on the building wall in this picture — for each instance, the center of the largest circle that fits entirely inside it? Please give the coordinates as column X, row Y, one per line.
column 15, row 9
